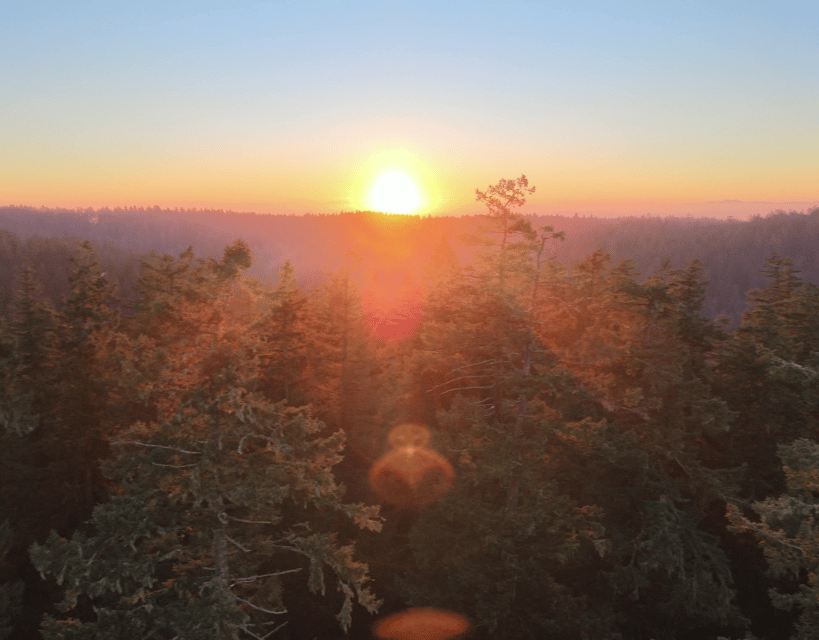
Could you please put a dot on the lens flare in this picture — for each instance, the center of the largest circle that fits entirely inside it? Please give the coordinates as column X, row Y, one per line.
column 411, row 475
column 409, row 435
column 429, row 624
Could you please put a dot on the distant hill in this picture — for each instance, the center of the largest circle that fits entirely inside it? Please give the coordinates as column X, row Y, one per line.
column 733, row 251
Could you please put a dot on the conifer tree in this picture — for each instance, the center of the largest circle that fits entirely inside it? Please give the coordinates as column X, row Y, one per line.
column 29, row 339
column 50, row 442
column 765, row 374
column 283, row 331
column 785, row 530
column 606, row 428
column 27, row 412
column 87, row 321
column 498, row 543
column 199, row 540
column 11, row 590
column 642, row 356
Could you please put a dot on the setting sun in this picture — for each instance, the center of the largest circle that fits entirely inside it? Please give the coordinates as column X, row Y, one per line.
column 394, row 192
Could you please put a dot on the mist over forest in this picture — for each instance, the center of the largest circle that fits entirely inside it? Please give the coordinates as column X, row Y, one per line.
column 235, row 426
column 731, row 251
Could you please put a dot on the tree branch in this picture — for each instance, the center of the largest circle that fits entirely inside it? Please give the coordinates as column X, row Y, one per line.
column 249, row 521
column 491, row 386
column 475, row 364
column 275, row 613
column 266, row 575
column 173, row 466
column 231, row 540
column 157, row 446
column 477, row 375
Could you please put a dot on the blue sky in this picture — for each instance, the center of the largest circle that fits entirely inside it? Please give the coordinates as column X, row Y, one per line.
column 294, row 107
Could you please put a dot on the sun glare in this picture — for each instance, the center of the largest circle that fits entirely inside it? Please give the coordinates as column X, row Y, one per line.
column 394, row 192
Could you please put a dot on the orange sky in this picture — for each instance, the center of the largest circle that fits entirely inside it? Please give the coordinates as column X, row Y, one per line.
column 608, row 110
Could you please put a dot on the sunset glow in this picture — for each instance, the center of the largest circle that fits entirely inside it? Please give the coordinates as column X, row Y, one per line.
column 611, row 109
column 394, row 192
column 318, row 316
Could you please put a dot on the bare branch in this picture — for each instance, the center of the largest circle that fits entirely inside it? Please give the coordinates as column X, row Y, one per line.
column 491, row 386
column 229, row 539
column 475, row 364
column 476, row 375
column 266, row 575
column 158, row 446
column 174, row 466
column 267, row 635
column 275, row 613
column 250, row 521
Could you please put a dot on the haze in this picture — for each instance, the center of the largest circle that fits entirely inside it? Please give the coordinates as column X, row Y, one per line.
column 609, row 108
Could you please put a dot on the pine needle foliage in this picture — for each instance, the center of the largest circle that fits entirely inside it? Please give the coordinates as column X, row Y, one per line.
column 785, row 528
column 199, row 540
column 577, row 405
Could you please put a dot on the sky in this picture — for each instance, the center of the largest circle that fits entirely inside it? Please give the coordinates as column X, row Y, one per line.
column 609, row 108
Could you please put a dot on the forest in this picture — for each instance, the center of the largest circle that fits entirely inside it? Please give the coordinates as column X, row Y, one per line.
column 196, row 442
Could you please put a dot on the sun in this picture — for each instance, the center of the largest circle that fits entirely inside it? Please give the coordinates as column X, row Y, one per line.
column 394, row 192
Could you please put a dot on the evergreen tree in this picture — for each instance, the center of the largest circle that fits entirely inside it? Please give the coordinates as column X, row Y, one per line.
column 639, row 356
column 604, row 408
column 765, row 374
column 342, row 371
column 199, row 540
column 28, row 349
column 283, row 330
column 785, row 529
column 88, row 320
column 498, row 545
column 28, row 496
column 11, row 590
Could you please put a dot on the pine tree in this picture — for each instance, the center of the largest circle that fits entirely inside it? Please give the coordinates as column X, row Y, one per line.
column 27, row 412
column 283, row 329
column 641, row 355
column 87, row 321
column 199, row 541
column 765, row 374
column 606, row 428
column 499, row 544
column 11, row 590
column 785, row 530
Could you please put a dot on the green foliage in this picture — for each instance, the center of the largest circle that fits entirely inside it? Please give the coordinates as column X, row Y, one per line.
column 768, row 375
column 283, row 329
column 596, row 422
column 48, row 412
column 26, row 369
column 579, row 406
column 201, row 538
column 11, row 591
column 786, row 531
column 508, row 570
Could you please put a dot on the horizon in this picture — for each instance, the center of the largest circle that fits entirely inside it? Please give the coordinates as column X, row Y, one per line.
column 590, row 215
column 610, row 111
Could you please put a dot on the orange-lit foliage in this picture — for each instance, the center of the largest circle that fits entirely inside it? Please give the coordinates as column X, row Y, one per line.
column 392, row 303
column 422, row 624
column 411, row 475
column 610, row 334
column 222, row 460
column 387, row 250
column 409, row 435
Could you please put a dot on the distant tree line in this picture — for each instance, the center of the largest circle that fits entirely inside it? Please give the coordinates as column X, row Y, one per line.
column 191, row 460
column 731, row 251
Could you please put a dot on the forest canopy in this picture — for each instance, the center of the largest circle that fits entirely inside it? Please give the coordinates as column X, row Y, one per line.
column 197, row 445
